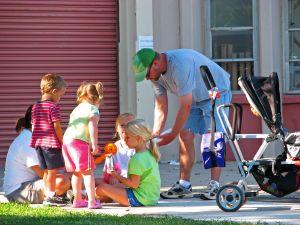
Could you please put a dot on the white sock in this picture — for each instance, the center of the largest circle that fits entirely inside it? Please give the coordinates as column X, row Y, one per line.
column 184, row 183
column 214, row 182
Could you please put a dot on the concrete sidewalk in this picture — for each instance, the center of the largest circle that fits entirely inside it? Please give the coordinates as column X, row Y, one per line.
column 170, row 173
column 264, row 208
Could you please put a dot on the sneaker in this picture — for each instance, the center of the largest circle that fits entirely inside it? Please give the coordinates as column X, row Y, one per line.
column 177, row 191
column 64, row 198
column 54, row 201
column 211, row 192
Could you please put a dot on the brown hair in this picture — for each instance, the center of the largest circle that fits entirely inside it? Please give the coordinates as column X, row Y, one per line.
column 50, row 82
column 118, row 121
column 90, row 91
column 24, row 122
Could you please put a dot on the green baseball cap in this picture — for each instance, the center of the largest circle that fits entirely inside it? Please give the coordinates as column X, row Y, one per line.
column 141, row 61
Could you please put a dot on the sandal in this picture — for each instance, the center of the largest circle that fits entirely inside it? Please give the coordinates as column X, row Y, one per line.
column 80, row 204
column 97, row 205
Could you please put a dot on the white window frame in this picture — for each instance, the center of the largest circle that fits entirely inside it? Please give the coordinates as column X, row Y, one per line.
column 286, row 49
column 208, row 40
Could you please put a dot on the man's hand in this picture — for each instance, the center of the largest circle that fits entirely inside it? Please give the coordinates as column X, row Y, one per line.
column 166, row 138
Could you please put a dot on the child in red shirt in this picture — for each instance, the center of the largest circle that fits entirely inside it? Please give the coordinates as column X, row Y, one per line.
column 47, row 133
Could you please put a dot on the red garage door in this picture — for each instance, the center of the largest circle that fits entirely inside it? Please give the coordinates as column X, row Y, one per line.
column 75, row 39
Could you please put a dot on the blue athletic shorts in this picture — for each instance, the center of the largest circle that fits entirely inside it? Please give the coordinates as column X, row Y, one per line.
column 132, row 199
column 198, row 121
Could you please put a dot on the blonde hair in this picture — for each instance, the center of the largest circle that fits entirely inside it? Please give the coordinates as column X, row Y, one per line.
column 118, row 121
column 50, row 82
column 138, row 127
column 90, row 91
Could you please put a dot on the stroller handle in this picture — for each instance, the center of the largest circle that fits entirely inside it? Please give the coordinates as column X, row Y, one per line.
column 237, row 119
column 207, row 77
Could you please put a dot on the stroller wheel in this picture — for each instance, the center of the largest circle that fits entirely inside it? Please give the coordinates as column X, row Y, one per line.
column 230, row 198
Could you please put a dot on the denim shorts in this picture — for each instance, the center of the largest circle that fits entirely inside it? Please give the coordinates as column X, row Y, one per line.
column 198, row 121
column 132, row 199
column 50, row 158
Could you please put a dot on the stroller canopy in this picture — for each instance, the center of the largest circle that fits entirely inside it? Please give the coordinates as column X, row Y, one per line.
column 264, row 96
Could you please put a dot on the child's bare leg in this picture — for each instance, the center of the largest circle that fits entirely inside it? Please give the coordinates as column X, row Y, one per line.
column 118, row 194
column 62, row 184
column 77, row 186
column 45, row 180
column 89, row 183
column 51, row 180
column 99, row 182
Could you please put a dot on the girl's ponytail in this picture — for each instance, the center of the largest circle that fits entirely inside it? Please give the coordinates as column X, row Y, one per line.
column 154, row 149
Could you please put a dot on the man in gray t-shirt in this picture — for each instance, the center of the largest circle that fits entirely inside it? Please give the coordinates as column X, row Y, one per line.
column 178, row 71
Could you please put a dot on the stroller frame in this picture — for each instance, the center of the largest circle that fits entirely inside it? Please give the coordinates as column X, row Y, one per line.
column 231, row 197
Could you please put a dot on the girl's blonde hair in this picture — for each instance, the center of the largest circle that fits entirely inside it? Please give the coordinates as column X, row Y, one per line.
column 138, row 127
column 50, row 82
column 90, row 91
column 118, row 122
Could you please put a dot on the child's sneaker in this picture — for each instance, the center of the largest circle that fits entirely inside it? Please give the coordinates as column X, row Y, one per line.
column 211, row 192
column 177, row 191
column 54, row 201
column 97, row 205
column 64, row 198
column 80, row 204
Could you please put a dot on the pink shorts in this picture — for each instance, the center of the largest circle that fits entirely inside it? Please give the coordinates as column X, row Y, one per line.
column 77, row 156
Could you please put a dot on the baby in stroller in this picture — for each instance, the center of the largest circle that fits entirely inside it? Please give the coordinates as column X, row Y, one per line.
column 278, row 176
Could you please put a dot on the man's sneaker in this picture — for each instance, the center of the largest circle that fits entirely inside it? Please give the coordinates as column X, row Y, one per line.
column 211, row 192
column 177, row 191
column 54, row 201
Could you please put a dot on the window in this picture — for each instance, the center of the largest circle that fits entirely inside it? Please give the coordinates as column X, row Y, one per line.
column 232, row 37
column 293, row 45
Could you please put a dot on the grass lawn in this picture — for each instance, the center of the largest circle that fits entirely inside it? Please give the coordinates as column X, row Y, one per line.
column 18, row 214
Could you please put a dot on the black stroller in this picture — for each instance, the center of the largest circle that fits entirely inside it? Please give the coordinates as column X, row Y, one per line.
column 278, row 176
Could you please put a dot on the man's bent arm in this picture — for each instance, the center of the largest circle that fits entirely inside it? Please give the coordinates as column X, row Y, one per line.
column 160, row 113
column 185, row 104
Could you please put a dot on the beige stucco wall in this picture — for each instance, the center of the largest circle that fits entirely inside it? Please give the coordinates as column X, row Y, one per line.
column 144, row 24
column 127, row 90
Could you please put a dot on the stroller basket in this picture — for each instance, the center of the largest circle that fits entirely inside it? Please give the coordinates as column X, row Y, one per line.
column 277, row 180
